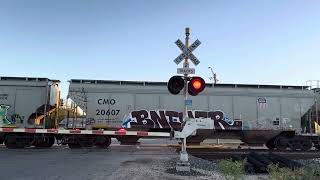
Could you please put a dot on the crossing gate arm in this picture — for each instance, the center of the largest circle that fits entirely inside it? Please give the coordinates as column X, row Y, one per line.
column 120, row 132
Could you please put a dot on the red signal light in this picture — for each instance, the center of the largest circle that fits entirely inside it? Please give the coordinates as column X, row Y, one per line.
column 175, row 84
column 196, row 85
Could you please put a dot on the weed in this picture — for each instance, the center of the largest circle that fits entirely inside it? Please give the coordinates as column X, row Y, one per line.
column 232, row 169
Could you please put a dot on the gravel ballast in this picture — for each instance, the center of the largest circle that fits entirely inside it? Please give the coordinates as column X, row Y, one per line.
column 161, row 167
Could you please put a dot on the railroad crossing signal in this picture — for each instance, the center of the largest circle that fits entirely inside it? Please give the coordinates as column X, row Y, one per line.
column 175, row 84
column 186, row 70
column 195, row 85
column 187, row 52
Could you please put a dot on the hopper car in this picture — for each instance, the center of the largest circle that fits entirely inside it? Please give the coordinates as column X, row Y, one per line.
column 278, row 116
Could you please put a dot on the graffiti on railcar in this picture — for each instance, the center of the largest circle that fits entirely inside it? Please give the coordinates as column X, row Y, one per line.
column 173, row 119
column 4, row 120
column 4, row 96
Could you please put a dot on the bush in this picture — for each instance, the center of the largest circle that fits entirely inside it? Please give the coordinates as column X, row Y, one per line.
column 312, row 170
column 276, row 173
column 232, row 169
column 306, row 173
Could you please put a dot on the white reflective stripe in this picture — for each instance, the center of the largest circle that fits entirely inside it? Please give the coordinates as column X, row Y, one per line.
column 41, row 131
column 131, row 133
column 162, row 134
column 63, row 131
column 109, row 132
column 86, row 132
column 19, row 130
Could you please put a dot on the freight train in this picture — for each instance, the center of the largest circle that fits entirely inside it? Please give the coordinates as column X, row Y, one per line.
column 29, row 108
column 278, row 116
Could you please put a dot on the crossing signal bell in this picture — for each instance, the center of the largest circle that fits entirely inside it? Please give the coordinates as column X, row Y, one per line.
column 195, row 85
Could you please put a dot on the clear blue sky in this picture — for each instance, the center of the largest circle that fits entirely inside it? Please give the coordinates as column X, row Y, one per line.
column 265, row 42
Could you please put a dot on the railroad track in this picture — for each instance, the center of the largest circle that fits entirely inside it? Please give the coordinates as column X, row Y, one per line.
column 257, row 160
column 223, row 153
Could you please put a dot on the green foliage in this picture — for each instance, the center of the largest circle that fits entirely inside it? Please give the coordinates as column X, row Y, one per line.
column 309, row 172
column 236, row 170
column 276, row 173
column 312, row 170
column 232, row 169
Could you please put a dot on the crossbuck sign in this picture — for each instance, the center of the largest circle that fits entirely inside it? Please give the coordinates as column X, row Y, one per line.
column 187, row 52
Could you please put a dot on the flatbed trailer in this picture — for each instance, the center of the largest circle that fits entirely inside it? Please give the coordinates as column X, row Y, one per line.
column 74, row 138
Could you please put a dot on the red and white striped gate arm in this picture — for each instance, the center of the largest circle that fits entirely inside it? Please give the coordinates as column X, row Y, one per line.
column 121, row 132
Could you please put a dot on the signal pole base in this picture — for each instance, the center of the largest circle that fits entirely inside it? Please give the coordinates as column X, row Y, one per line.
column 183, row 165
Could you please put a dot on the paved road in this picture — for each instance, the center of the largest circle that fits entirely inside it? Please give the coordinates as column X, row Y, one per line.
column 146, row 161
column 152, row 160
column 60, row 162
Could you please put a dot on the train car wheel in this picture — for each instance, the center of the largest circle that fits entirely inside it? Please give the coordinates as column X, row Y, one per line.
column 102, row 141
column 51, row 141
column 306, row 144
column 108, row 142
column 270, row 144
column 317, row 146
column 128, row 140
column 294, row 143
column 74, row 145
column 281, row 143
column 45, row 142
column 301, row 143
column 14, row 141
column 85, row 141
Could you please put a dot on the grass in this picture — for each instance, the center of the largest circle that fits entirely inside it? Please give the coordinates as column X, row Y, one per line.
column 235, row 170
column 311, row 171
column 232, row 169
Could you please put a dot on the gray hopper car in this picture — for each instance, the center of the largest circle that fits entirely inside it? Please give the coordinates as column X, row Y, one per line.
column 25, row 100
column 275, row 115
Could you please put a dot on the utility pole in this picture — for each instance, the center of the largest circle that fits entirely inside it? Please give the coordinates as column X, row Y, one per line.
column 184, row 154
column 214, row 77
